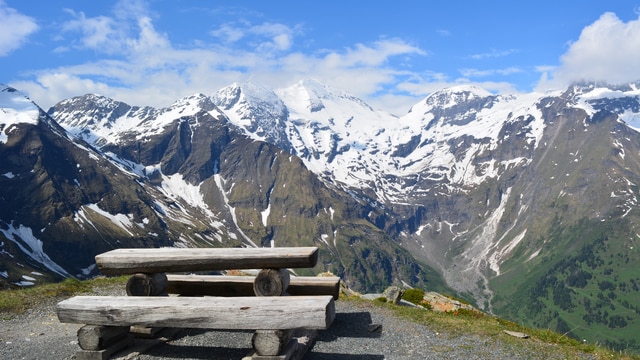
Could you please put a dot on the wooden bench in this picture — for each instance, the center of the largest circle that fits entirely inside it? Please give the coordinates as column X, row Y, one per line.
column 239, row 313
column 222, row 285
column 205, row 301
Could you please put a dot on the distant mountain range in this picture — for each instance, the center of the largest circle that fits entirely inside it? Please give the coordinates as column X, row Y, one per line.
column 524, row 204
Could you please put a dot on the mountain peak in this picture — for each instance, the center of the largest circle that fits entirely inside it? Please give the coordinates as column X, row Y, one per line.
column 246, row 92
column 451, row 97
column 309, row 96
column 466, row 88
column 308, row 93
column 15, row 108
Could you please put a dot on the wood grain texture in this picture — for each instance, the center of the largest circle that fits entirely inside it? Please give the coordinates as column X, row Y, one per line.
column 131, row 261
column 221, row 285
column 239, row 313
column 270, row 342
column 271, row 282
column 147, row 284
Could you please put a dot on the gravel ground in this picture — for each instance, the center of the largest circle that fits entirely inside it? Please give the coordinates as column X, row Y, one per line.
column 37, row 334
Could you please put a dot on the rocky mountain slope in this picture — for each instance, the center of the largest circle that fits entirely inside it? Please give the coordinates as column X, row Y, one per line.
column 513, row 198
column 180, row 176
column 524, row 204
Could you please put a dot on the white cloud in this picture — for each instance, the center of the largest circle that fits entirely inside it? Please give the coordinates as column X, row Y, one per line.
column 98, row 33
column 143, row 67
column 228, row 33
column 489, row 72
column 265, row 38
column 494, row 53
column 138, row 64
column 606, row 51
column 14, row 29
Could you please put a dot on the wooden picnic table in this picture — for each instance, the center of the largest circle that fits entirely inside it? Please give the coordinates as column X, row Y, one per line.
column 206, row 301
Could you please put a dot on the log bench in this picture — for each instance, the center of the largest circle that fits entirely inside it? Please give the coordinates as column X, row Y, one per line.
column 205, row 301
column 222, row 285
column 274, row 318
column 238, row 313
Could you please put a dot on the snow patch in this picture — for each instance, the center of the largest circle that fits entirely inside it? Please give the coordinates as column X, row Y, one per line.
column 124, row 221
column 15, row 108
column 23, row 237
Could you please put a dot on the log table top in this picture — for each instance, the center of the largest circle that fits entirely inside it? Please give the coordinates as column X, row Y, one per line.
column 156, row 260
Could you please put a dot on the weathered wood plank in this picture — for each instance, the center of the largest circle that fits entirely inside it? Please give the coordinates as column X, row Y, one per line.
column 239, row 313
column 220, row 285
column 131, row 261
column 315, row 285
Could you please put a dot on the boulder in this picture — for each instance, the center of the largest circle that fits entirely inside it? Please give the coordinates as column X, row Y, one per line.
column 393, row 294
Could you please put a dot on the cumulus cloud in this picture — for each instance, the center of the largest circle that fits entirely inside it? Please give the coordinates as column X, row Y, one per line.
column 143, row 67
column 129, row 32
column 606, row 51
column 14, row 29
column 266, row 37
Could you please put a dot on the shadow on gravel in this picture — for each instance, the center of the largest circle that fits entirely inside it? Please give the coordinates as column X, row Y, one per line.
column 204, row 344
column 222, row 345
column 353, row 325
column 347, row 325
column 324, row 356
column 198, row 352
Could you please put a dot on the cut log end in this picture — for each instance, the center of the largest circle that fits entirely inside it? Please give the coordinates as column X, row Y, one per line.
column 147, row 284
column 270, row 342
column 271, row 282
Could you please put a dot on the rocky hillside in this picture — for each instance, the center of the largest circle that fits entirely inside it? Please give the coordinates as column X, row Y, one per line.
column 180, row 176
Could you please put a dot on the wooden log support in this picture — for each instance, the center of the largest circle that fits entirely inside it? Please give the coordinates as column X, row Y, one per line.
column 270, row 342
column 271, row 282
column 221, row 285
column 145, row 332
column 162, row 260
column 147, row 284
column 99, row 337
column 104, row 354
column 240, row 313
column 297, row 347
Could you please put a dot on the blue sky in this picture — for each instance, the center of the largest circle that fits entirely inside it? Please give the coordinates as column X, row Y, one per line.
column 391, row 54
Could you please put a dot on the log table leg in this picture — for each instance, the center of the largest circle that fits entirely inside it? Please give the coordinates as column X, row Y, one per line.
column 98, row 342
column 270, row 342
column 98, row 337
column 281, row 344
column 147, row 284
column 271, row 282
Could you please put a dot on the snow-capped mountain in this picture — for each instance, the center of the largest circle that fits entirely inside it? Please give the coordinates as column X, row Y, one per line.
column 184, row 176
column 345, row 140
column 520, row 202
column 327, row 128
column 481, row 186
